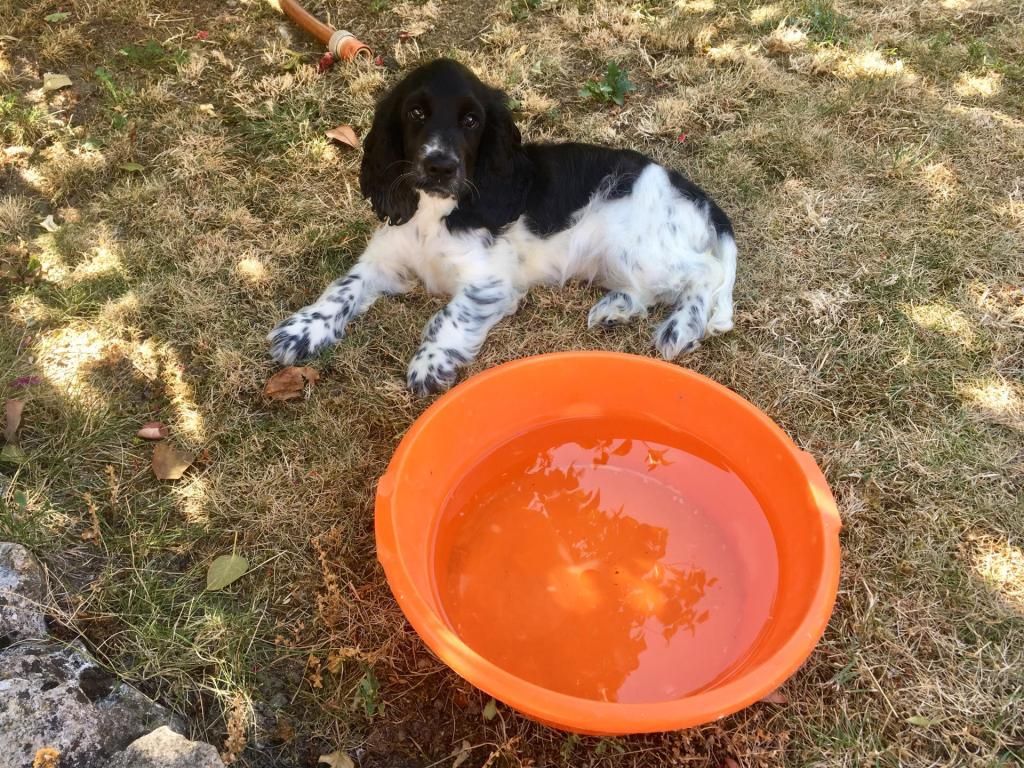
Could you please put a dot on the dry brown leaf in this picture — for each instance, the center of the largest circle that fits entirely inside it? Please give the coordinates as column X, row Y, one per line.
column 169, row 463
column 290, row 382
column 730, row 763
column 284, row 732
column 462, row 754
column 47, row 757
column 337, row 759
column 344, row 134
column 12, row 419
column 776, row 697
column 54, row 81
column 152, row 430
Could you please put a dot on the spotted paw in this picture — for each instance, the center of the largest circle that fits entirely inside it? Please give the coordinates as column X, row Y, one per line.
column 302, row 335
column 615, row 308
column 432, row 370
column 673, row 338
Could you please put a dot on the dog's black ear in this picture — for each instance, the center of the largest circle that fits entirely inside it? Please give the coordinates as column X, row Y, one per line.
column 502, row 144
column 383, row 175
column 502, row 172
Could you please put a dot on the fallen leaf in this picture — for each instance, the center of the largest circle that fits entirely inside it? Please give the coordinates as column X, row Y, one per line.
column 12, row 454
column 54, row 81
column 49, row 224
column 12, row 419
column 462, row 755
column 289, row 382
column 131, row 167
column 729, row 763
column 152, row 430
column 225, row 570
column 491, row 710
column 56, row 18
column 656, row 458
column 314, row 677
column 169, row 463
column 325, row 63
column 292, row 59
column 26, row 381
column 337, row 759
column 924, row 722
column 344, row 135
column 776, row 697
column 47, row 757
column 284, row 732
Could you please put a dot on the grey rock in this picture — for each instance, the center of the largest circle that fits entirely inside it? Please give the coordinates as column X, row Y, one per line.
column 56, row 696
column 21, row 595
column 163, row 748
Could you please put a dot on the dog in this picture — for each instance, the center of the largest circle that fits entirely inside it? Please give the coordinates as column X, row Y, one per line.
column 472, row 212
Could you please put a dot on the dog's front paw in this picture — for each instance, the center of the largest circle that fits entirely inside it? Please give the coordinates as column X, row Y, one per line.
column 432, row 370
column 302, row 335
column 614, row 308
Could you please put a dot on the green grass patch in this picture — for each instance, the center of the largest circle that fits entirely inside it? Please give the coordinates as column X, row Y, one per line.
column 824, row 23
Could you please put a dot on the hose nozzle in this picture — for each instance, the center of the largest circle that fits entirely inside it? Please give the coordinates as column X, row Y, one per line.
column 345, row 46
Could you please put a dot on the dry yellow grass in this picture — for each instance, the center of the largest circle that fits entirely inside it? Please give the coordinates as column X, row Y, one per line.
column 871, row 155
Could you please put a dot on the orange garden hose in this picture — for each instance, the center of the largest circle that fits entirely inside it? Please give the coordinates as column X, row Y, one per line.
column 341, row 43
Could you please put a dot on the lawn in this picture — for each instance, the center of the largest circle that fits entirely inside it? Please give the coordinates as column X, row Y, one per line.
column 871, row 155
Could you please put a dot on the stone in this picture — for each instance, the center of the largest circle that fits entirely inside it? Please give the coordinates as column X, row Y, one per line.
column 56, row 696
column 163, row 748
column 21, row 595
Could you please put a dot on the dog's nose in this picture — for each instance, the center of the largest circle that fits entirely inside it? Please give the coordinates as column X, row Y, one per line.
column 441, row 167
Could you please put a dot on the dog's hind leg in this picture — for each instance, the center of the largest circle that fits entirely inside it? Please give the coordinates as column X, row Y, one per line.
column 682, row 331
column 720, row 319
column 703, row 304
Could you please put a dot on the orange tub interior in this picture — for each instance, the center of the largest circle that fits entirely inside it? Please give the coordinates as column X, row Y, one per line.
column 609, row 544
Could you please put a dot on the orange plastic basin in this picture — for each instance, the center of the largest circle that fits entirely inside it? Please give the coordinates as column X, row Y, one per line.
column 609, row 544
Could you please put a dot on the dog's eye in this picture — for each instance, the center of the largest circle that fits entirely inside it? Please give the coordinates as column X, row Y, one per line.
column 417, row 114
column 470, row 121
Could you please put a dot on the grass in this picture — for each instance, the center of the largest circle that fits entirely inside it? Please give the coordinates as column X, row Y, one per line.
column 870, row 156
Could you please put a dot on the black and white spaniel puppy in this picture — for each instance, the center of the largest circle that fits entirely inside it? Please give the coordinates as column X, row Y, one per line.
column 472, row 212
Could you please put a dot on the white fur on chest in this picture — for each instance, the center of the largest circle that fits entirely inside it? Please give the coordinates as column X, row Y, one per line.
column 424, row 247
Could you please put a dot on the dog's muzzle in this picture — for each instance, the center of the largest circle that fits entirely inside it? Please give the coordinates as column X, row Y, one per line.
column 440, row 173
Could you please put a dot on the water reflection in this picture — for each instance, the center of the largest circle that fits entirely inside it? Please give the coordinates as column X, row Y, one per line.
column 561, row 570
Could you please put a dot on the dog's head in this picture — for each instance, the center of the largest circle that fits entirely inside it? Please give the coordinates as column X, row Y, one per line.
column 440, row 131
